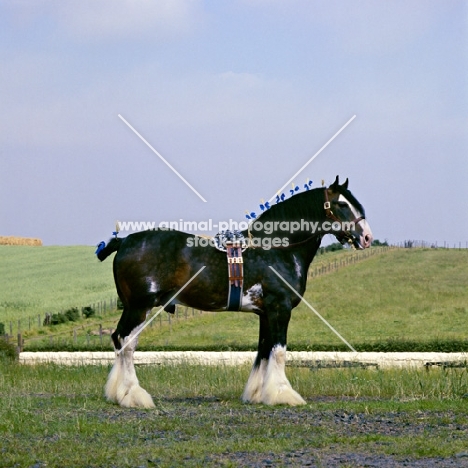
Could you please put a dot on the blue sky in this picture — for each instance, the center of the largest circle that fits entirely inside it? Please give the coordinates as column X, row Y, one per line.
column 237, row 96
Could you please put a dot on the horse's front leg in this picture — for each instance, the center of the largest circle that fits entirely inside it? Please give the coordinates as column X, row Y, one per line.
column 253, row 389
column 268, row 382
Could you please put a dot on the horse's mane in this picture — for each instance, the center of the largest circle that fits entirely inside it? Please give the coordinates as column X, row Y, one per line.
column 305, row 205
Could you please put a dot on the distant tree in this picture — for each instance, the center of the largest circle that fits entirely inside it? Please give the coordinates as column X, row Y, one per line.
column 334, row 247
column 72, row 314
column 88, row 311
column 2, row 328
column 7, row 350
column 58, row 318
column 377, row 243
column 331, row 248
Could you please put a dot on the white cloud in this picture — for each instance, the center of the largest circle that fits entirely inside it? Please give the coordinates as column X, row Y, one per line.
column 129, row 18
column 91, row 20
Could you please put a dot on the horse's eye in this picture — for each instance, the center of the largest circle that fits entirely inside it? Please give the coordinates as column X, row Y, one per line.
column 342, row 204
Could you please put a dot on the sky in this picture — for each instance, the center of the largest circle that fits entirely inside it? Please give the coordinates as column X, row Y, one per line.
column 236, row 96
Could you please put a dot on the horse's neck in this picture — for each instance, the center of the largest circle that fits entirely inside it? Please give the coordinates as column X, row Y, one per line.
column 296, row 219
column 306, row 251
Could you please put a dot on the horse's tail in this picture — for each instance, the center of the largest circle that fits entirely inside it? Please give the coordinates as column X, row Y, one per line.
column 103, row 250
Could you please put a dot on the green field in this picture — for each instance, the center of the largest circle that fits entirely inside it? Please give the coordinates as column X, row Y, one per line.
column 36, row 280
column 403, row 299
column 400, row 296
column 56, row 416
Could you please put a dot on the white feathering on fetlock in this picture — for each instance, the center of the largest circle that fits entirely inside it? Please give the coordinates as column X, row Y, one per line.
column 276, row 388
column 253, row 389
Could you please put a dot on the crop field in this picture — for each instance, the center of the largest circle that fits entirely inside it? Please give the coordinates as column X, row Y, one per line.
column 49, row 279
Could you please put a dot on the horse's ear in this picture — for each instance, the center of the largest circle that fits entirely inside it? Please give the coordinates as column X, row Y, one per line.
column 345, row 185
column 335, row 184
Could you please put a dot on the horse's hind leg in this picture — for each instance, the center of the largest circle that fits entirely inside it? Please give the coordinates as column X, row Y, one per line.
column 122, row 385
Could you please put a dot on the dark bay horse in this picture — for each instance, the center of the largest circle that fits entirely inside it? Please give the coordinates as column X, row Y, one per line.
column 150, row 267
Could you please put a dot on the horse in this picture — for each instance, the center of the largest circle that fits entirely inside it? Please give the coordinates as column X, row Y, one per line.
column 156, row 267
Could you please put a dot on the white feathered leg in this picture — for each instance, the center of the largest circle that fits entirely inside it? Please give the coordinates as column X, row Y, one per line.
column 253, row 389
column 122, row 385
column 276, row 388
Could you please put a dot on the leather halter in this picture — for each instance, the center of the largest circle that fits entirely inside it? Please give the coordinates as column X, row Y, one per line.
column 343, row 236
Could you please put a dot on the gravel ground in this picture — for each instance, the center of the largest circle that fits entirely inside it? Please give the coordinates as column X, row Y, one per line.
column 350, row 424
column 315, row 458
column 395, row 426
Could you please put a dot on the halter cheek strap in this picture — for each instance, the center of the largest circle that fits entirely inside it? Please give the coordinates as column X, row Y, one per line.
column 342, row 235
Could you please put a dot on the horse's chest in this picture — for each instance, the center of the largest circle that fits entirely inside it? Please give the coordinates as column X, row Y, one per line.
column 252, row 299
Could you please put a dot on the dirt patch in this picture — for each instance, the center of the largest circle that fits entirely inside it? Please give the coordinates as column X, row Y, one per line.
column 368, row 440
column 317, row 458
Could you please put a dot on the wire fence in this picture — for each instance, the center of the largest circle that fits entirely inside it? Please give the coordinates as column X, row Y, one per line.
column 412, row 243
column 42, row 320
column 350, row 259
column 94, row 334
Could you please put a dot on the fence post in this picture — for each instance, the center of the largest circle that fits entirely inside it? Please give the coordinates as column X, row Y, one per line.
column 20, row 343
column 100, row 331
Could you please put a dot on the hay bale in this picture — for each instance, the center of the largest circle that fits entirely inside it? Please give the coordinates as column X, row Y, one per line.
column 14, row 240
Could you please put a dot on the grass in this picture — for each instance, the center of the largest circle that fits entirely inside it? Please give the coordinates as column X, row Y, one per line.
column 36, row 280
column 56, row 416
column 402, row 300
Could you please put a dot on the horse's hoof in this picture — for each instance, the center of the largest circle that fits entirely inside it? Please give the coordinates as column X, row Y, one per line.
column 136, row 397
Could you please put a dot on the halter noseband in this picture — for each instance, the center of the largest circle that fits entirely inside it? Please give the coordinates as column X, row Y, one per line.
column 343, row 236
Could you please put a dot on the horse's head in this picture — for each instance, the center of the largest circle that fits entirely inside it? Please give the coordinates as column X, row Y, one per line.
column 342, row 207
